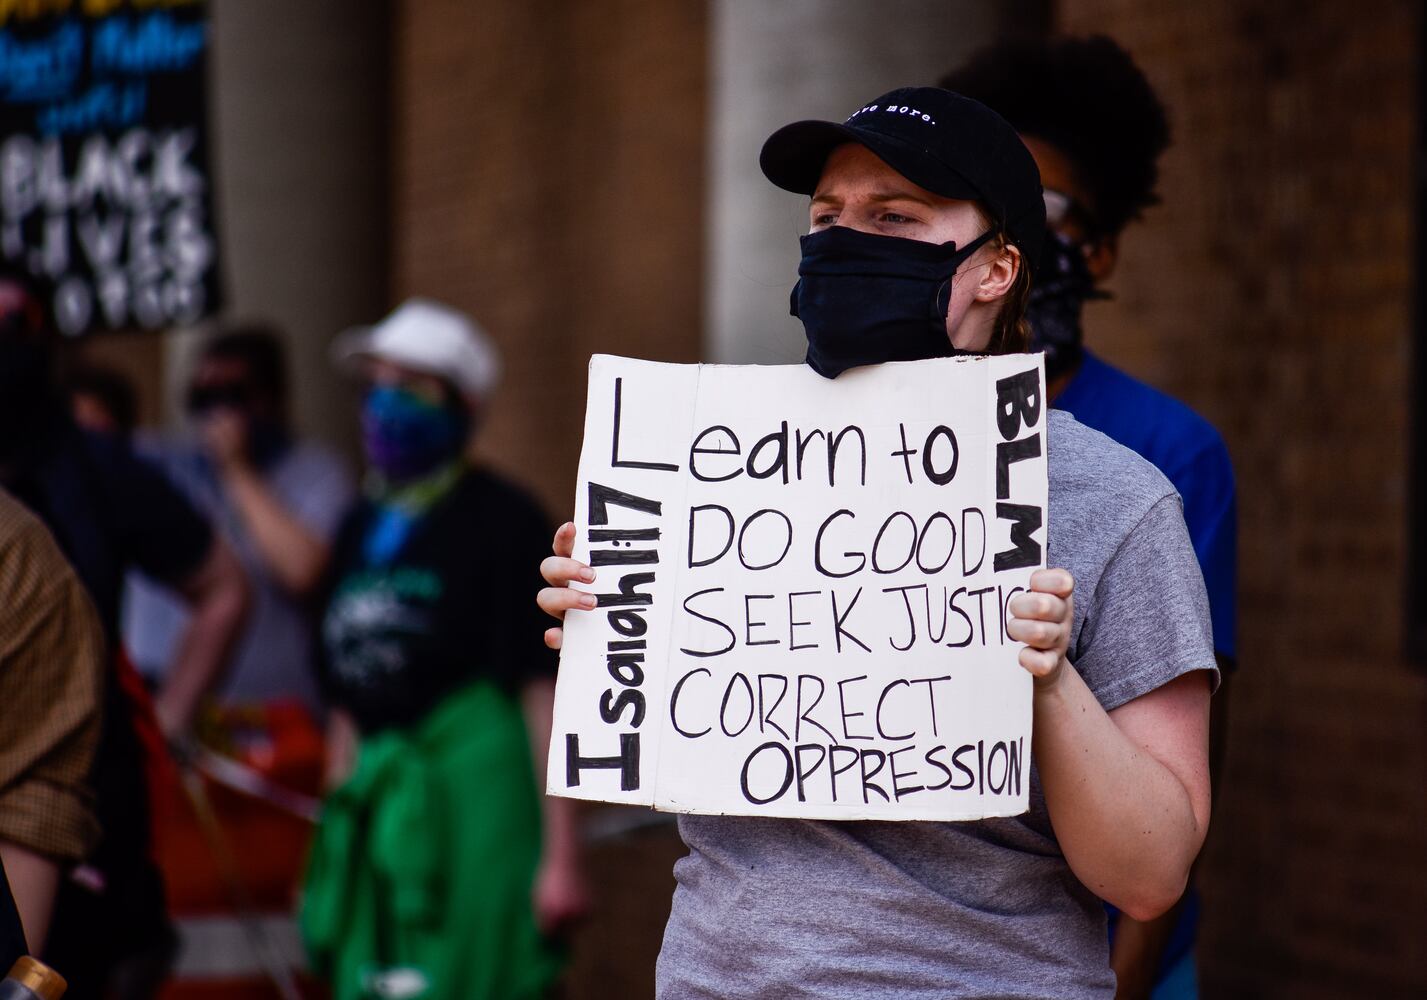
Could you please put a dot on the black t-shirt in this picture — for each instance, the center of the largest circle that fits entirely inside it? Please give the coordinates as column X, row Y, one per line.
column 455, row 604
column 111, row 512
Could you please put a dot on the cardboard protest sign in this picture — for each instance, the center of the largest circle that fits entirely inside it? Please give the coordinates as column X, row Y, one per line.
column 104, row 187
column 802, row 589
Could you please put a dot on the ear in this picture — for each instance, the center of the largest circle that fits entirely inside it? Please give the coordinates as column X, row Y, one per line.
column 1000, row 274
column 1101, row 258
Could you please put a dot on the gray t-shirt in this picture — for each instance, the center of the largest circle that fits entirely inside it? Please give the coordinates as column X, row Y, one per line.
column 273, row 658
column 929, row 911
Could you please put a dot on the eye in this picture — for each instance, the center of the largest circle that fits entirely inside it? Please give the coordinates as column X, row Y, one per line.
column 897, row 219
column 824, row 218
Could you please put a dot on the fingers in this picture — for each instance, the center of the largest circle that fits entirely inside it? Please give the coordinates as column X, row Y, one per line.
column 1039, row 662
column 1053, row 581
column 561, row 570
column 555, row 601
column 1038, row 635
column 564, row 544
column 1040, row 607
column 1041, row 618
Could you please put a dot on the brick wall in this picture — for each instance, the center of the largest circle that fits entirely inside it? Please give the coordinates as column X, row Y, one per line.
column 549, row 179
column 1273, row 291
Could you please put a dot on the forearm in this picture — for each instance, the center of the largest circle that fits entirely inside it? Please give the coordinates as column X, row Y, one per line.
column 218, row 599
column 294, row 555
column 1126, row 823
column 34, row 882
column 198, row 666
column 341, row 749
column 1138, row 952
column 561, row 822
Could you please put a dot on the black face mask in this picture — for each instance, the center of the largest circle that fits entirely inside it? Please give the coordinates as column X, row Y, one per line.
column 865, row 299
column 1063, row 286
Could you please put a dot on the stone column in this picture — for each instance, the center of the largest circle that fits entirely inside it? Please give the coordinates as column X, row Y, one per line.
column 299, row 97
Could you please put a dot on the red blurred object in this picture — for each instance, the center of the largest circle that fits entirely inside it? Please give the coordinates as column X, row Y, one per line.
column 258, row 842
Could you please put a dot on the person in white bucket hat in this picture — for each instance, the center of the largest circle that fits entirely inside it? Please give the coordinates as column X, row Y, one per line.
column 427, row 337
column 429, row 370
column 437, row 859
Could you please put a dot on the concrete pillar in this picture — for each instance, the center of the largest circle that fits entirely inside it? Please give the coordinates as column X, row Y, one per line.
column 773, row 63
column 299, row 97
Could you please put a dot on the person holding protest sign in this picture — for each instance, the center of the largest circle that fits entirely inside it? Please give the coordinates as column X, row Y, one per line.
column 433, row 872
column 926, row 219
column 1100, row 171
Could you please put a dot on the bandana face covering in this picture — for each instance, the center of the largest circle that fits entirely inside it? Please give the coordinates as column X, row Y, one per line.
column 865, row 299
column 406, row 437
column 1062, row 288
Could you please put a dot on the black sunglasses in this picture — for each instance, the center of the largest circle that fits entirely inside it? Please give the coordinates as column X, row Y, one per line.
column 218, row 395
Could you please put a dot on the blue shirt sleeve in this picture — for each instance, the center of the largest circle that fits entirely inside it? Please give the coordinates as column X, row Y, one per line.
column 1190, row 452
column 1206, row 482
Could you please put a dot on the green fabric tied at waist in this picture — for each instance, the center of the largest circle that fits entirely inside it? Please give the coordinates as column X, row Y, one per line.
column 424, row 859
column 388, row 808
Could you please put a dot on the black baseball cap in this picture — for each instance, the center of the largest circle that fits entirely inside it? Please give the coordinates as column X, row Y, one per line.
column 944, row 142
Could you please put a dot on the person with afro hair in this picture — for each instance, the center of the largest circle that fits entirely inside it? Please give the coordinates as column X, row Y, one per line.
column 1096, row 130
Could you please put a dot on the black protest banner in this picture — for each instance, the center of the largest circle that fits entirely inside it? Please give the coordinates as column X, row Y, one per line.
column 104, row 175
column 802, row 589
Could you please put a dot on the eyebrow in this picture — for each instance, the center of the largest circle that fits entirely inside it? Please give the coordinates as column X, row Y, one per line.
column 879, row 196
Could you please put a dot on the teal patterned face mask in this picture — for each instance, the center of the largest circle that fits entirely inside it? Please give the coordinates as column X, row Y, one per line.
column 406, row 436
